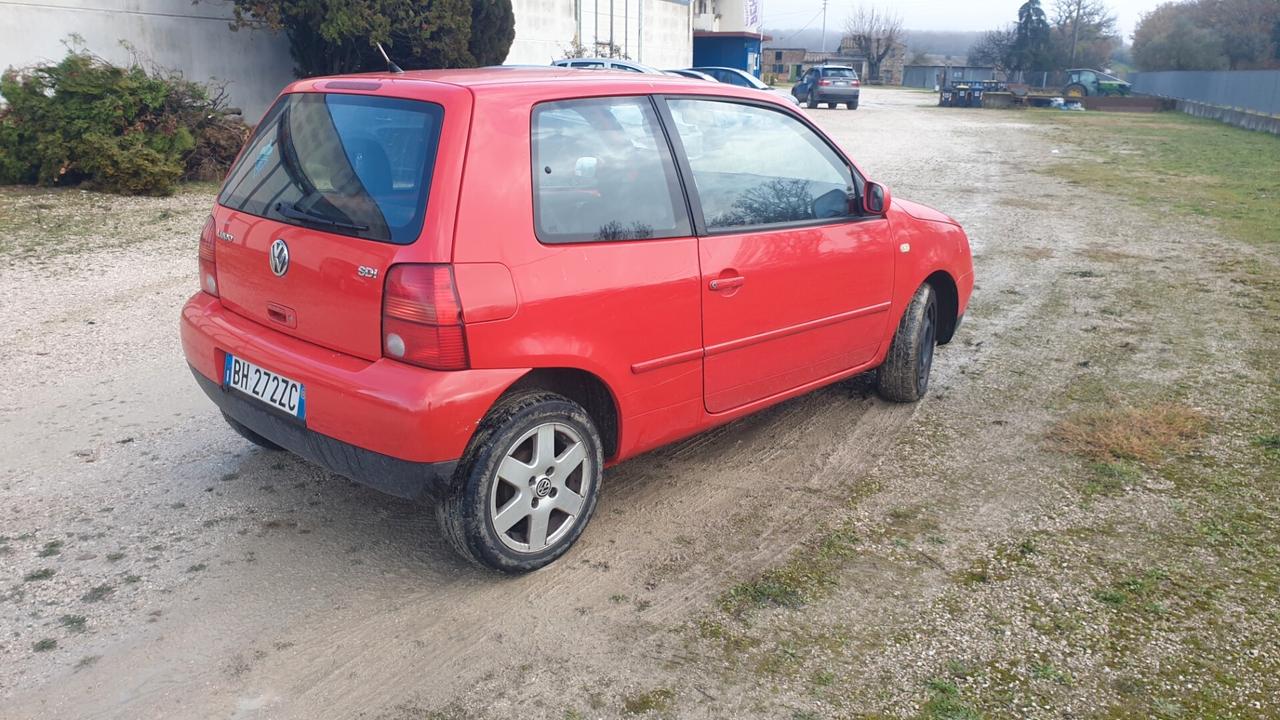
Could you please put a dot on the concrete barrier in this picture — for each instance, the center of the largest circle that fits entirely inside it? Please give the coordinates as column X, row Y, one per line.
column 1239, row 118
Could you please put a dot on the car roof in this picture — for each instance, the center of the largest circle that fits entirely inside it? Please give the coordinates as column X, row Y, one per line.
column 495, row 78
column 718, row 67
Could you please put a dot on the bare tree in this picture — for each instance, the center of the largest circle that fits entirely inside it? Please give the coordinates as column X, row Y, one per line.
column 1079, row 20
column 874, row 33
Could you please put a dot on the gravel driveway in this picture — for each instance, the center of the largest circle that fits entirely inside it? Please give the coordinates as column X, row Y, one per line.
column 153, row 564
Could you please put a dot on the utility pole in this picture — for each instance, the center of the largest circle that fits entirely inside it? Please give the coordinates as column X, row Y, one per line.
column 824, row 25
column 1075, row 30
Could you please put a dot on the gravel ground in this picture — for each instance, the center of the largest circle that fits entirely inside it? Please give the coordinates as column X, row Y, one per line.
column 152, row 564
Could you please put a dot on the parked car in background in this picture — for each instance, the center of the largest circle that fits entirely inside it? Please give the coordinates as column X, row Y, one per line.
column 741, row 78
column 733, row 76
column 607, row 64
column 830, row 84
column 686, row 72
column 386, row 291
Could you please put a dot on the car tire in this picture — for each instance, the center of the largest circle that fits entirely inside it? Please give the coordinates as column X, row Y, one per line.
column 253, row 437
column 530, row 432
column 852, row 105
column 811, row 101
column 1075, row 90
column 904, row 376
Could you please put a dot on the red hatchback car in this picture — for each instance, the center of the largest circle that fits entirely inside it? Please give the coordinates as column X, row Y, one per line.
column 482, row 287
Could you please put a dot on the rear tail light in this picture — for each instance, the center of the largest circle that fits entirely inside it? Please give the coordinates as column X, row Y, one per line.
column 855, row 82
column 422, row 318
column 824, row 82
column 208, row 266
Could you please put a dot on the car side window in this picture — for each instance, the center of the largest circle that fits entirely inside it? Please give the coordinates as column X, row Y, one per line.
column 602, row 171
column 757, row 166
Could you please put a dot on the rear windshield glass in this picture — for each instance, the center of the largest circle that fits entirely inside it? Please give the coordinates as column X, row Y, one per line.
column 359, row 165
column 838, row 72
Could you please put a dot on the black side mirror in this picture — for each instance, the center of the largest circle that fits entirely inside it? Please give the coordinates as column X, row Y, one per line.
column 875, row 199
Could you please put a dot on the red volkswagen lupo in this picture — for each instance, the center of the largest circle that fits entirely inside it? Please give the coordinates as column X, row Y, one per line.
column 482, row 287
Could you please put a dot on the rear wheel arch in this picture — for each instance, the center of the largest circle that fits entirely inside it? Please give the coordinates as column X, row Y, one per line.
column 948, row 298
column 586, row 389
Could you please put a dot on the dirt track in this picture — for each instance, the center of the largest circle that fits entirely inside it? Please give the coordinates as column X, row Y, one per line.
column 238, row 583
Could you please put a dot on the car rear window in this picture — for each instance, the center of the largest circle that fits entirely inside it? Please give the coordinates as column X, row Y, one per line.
column 838, row 73
column 358, row 165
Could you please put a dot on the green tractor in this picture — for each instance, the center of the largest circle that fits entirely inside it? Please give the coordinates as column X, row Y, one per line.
column 1083, row 82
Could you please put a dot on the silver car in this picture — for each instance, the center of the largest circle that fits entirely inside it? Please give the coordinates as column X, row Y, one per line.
column 607, row 64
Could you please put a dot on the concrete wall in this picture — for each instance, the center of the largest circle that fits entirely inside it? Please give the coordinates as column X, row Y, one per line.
column 1239, row 118
column 170, row 33
column 653, row 32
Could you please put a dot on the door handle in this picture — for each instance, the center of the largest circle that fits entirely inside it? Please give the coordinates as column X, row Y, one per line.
column 727, row 283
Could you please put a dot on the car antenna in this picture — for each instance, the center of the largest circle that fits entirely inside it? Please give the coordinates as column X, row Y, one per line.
column 391, row 66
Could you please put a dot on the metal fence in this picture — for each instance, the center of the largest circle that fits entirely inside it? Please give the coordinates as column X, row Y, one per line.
column 930, row 76
column 1255, row 91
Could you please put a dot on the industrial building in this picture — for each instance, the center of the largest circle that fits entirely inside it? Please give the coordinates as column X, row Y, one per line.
column 726, row 33
column 196, row 38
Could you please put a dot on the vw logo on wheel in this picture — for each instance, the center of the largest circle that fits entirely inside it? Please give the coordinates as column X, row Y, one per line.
column 279, row 258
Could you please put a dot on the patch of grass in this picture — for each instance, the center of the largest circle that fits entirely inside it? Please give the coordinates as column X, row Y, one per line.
column 809, row 575
column 1145, row 434
column 1046, row 671
column 1270, row 444
column 51, row 548
column 1112, row 477
column 87, row 661
column 44, row 645
column 945, row 703
column 115, row 556
column 657, row 700
column 1172, row 161
column 1131, row 590
column 197, row 568
column 41, row 574
column 98, row 592
column 74, row 623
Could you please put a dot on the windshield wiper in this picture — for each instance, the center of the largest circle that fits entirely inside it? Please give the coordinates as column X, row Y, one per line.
column 293, row 212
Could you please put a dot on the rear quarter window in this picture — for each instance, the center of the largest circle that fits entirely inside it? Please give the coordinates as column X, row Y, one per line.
column 357, row 165
column 602, row 171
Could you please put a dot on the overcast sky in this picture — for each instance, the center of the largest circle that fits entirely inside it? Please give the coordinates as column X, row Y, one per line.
column 934, row 14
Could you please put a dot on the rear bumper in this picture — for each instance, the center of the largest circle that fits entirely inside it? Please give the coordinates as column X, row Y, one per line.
column 837, row 94
column 393, row 476
column 384, row 408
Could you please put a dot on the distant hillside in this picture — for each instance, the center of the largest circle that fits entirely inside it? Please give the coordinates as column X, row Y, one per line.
column 931, row 42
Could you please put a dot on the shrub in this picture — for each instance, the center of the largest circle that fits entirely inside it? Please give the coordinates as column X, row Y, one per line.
column 117, row 129
column 327, row 37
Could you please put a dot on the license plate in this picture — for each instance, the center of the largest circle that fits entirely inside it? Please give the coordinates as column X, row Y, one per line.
column 261, row 384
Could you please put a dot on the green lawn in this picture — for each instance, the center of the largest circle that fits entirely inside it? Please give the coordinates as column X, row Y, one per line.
column 1180, row 163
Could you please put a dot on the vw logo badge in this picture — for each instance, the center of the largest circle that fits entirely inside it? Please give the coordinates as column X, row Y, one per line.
column 279, row 258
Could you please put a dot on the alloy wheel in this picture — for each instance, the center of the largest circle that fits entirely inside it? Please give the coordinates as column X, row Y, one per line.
column 541, row 488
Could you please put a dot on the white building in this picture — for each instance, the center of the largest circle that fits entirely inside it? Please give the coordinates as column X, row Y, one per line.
column 196, row 39
column 653, row 32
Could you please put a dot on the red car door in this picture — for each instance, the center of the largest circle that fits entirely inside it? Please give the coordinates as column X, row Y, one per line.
column 795, row 283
